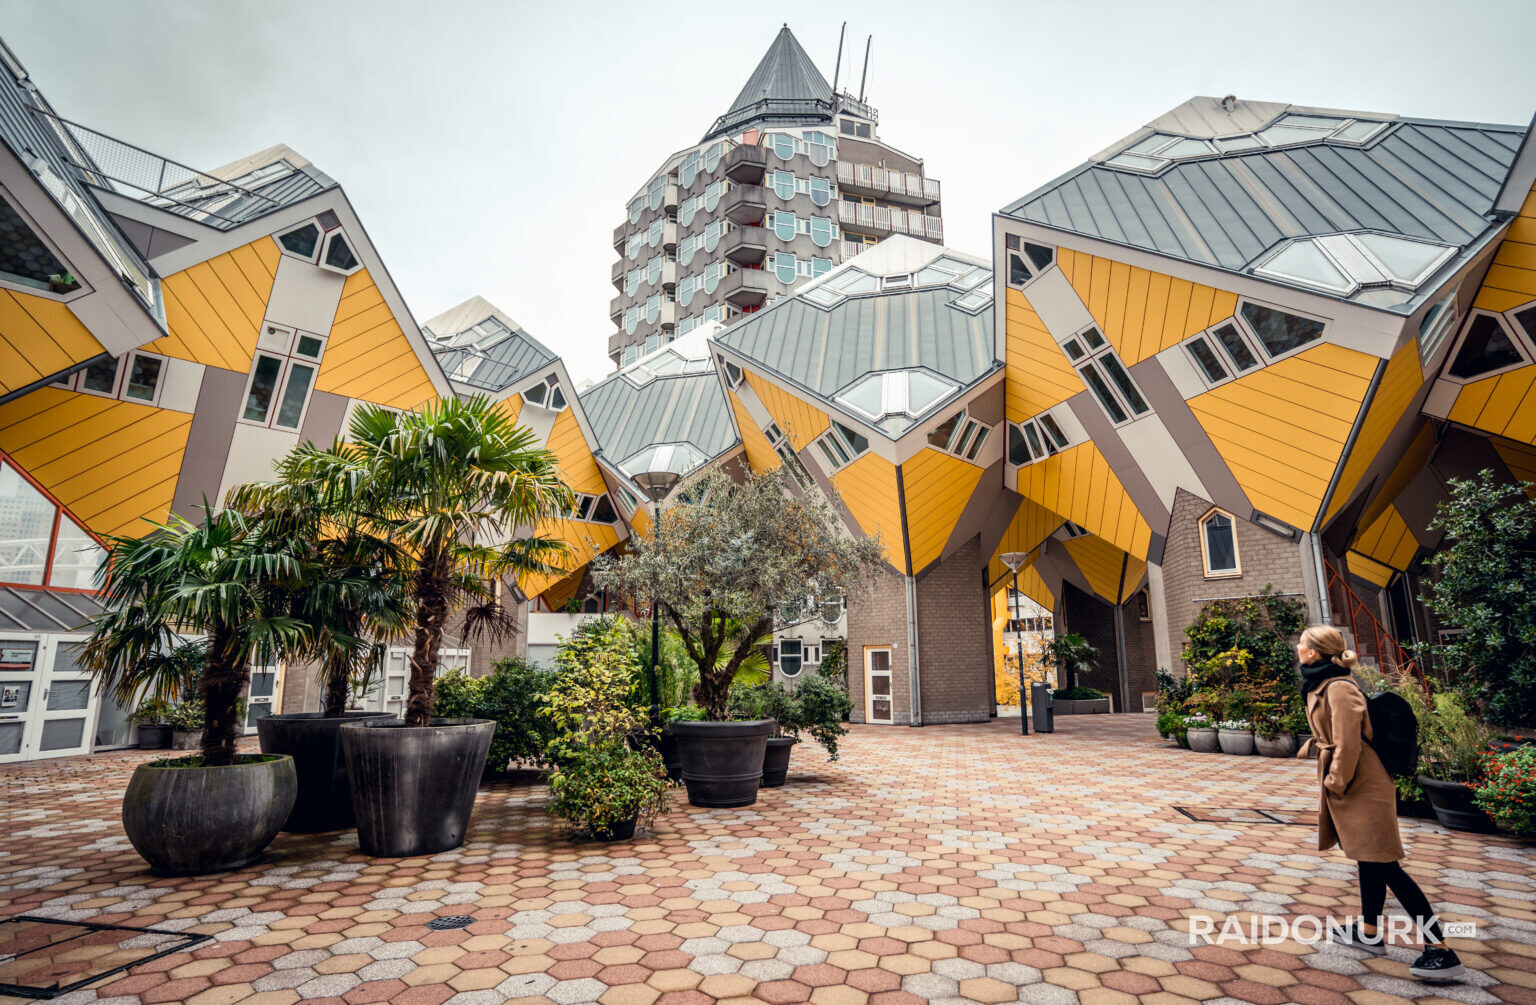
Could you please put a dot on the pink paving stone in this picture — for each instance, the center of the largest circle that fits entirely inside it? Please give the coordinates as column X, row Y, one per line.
column 782, row 992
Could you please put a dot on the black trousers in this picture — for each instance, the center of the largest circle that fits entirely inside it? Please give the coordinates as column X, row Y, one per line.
column 1375, row 877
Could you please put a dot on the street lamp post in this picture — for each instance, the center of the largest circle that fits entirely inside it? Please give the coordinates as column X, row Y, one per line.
column 657, row 485
column 1014, row 560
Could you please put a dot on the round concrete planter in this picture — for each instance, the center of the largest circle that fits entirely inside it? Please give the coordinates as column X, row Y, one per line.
column 1283, row 745
column 189, row 821
column 723, row 761
column 671, row 756
column 413, row 787
column 1201, row 741
column 1454, row 806
column 776, row 760
column 1080, row 706
column 186, row 739
column 314, row 743
column 1236, row 741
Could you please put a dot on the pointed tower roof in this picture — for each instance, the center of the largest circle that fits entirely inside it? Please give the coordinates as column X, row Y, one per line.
column 785, row 86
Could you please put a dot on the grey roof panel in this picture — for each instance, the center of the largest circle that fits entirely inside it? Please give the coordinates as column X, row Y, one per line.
column 784, row 85
column 687, row 408
column 502, row 364
column 1431, row 180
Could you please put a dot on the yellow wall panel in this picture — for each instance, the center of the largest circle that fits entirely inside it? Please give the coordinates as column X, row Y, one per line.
column 937, row 488
column 214, row 309
column 38, row 338
column 585, row 540
column 112, row 463
column 1400, row 381
column 801, row 422
column 1388, row 540
column 368, row 356
column 1100, row 563
column 1032, row 523
column 1038, row 375
column 760, row 453
column 512, row 405
column 577, row 465
column 1368, row 569
column 868, row 488
column 1061, row 483
column 1140, row 311
column 1520, row 458
column 1511, row 279
column 1282, row 429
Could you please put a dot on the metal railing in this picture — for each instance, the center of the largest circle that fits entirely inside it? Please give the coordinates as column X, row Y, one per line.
column 110, row 163
column 862, row 216
column 874, row 178
column 1367, row 628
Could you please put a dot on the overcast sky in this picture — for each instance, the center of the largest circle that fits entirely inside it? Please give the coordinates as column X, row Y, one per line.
column 490, row 147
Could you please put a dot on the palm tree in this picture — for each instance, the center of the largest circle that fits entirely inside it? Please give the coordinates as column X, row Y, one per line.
column 226, row 579
column 450, row 496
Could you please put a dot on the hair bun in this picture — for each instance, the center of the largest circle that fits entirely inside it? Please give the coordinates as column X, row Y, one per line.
column 1347, row 659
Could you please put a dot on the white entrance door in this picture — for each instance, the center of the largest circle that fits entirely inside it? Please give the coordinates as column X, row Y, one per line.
column 877, row 684
column 262, row 697
column 388, row 692
column 47, row 702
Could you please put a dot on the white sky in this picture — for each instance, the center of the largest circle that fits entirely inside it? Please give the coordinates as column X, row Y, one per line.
column 490, row 147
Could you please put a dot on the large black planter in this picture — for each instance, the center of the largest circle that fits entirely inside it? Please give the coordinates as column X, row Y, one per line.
column 776, row 760
column 413, row 787
column 1454, row 806
column 314, row 743
column 190, row 821
column 621, row 831
column 671, row 756
column 154, row 736
column 723, row 761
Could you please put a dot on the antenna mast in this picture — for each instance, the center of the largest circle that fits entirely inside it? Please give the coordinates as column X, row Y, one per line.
column 839, row 65
column 865, row 75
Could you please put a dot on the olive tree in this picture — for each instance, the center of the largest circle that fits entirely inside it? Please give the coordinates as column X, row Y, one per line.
column 722, row 565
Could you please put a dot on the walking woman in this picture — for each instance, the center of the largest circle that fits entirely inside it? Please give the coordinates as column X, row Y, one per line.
column 1357, row 807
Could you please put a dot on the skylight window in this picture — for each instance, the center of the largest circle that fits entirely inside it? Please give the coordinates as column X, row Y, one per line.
column 895, row 397
column 1154, row 152
column 1343, row 264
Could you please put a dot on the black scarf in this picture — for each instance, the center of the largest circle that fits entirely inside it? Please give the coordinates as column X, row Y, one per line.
column 1314, row 675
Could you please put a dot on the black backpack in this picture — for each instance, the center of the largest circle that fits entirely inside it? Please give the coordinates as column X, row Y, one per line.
column 1395, row 730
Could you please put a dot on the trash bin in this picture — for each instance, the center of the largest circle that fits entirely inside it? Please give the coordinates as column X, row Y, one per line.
column 1040, row 697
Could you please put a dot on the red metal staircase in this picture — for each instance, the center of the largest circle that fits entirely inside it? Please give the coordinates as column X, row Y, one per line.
column 1372, row 640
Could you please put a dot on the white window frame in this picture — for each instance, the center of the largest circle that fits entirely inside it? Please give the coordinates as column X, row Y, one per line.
column 76, row 380
column 586, row 504
column 281, row 343
column 1512, row 328
column 966, row 439
column 1016, row 246
column 834, row 446
column 1052, row 439
column 778, row 656
column 1223, row 354
column 314, row 257
column 1443, row 322
column 786, row 451
column 1264, row 357
column 550, row 382
column 1205, row 554
column 325, row 250
column 1092, row 358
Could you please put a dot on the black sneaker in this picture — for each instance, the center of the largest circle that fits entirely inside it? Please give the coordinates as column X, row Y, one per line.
column 1437, row 963
column 1356, row 937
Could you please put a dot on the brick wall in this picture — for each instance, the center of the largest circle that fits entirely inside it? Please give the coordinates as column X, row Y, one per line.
column 879, row 618
column 1265, row 558
column 1140, row 656
column 1094, row 620
column 954, row 637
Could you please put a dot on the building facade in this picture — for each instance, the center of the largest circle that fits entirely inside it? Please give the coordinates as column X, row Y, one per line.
column 791, row 181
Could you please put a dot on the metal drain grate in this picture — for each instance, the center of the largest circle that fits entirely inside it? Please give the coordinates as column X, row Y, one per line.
column 1248, row 815
column 45, row 958
column 450, row 922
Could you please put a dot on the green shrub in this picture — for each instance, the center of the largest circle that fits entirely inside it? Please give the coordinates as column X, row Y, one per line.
column 1077, row 694
column 824, row 704
column 510, row 696
column 1264, row 627
column 1507, row 791
column 605, row 782
column 1170, row 724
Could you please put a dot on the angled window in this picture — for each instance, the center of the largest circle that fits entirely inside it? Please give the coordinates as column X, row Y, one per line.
column 26, row 260
column 282, row 377
column 547, row 393
column 1235, row 346
column 1105, row 375
column 840, row 446
column 1035, row 439
column 1218, row 545
column 338, row 256
column 1222, row 353
column 1438, row 322
column 1277, row 331
column 136, row 376
column 786, row 452
column 960, row 435
column 1487, row 347
column 1205, row 360
column 302, row 241
column 595, row 509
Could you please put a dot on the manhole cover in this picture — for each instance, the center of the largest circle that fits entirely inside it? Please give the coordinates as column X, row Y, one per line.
column 451, row 921
column 45, row 958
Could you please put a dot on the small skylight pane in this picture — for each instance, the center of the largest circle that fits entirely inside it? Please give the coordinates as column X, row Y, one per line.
column 1356, row 264
column 822, row 296
column 954, row 265
column 1316, row 121
column 932, row 276
column 1150, row 144
column 1186, row 148
column 973, row 278
column 1280, row 135
column 865, row 396
column 1382, row 296
column 1304, row 262
column 1137, row 162
column 1407, row 261
column 859, row 282
column 923, row 391
column 1359, row 131
column 1233, row 144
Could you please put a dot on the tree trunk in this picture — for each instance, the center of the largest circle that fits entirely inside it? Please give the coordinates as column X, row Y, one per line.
column 337, row 680
column 223, row 681
column 431, row 615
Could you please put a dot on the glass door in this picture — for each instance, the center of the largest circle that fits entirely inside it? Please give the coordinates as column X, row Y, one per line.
column 877, row 679
column 68, row 701
column 261, row 699
column 20, row 692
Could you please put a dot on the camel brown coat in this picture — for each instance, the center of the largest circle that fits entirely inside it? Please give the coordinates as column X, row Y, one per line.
column 1357, row 804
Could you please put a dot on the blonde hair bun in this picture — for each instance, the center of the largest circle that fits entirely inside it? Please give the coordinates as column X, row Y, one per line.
column 1328, row 642
column 1347, row 659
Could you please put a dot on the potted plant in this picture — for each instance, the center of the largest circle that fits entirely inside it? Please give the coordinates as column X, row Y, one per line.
column 1079, row 701
column 1235, row 736
column 606, row 777
column 1200, row 733
column 718, row 567
column 443, row 494
column 1451, row 746
column 1507, row 791
column 771, row 700
column 1074, row 656
column 186, row 721
column 153, row 719
column 353, row 592
column 1270, row 737
column 224, row 579
column 824, row 706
